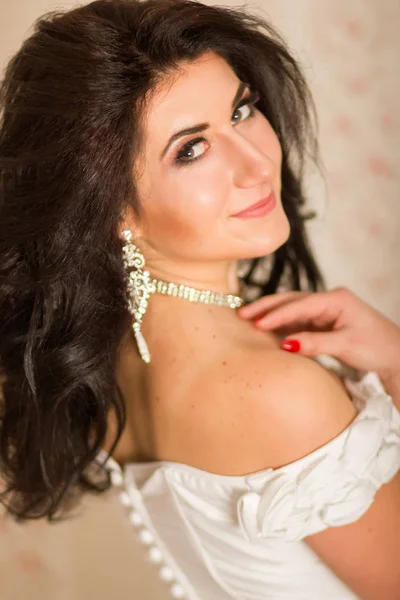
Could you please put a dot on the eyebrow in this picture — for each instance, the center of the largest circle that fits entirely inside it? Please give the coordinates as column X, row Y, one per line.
column 202, row 126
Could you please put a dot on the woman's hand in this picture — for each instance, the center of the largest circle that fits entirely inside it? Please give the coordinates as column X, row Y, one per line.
column 335, row 322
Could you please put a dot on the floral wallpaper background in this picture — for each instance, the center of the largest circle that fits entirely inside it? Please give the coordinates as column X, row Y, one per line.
column 349, row 50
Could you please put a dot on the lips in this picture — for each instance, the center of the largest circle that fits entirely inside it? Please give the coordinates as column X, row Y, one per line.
column 258, row 204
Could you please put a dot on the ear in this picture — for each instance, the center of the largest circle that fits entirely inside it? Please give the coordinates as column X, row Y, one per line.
column 135, row 233
column 129, row 222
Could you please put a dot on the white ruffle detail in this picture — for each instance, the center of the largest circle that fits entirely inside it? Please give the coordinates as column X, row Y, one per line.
column 335, row 484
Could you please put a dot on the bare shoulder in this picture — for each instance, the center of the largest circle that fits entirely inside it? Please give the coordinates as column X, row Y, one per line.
column 268, row 409
column 263, row 409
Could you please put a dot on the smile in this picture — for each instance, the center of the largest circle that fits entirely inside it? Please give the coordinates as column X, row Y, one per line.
column 260, row 209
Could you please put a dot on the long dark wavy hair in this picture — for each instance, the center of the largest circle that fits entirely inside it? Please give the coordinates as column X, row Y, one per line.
column 72, row 110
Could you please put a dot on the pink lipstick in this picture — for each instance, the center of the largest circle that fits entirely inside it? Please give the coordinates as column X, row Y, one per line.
column 259, row 209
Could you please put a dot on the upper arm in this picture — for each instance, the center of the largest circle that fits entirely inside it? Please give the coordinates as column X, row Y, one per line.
column 365, row 554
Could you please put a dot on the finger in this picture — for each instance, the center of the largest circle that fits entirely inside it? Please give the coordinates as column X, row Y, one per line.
column 289, row 330
column 318, row 309
column 311, row 344
column 259, row 306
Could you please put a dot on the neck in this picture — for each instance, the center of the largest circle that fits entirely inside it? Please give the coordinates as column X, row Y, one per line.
column 218, row 280
column 203, row 304
column 221, row 278
column 176, row 323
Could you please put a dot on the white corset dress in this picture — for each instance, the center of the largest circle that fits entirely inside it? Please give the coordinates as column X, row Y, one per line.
column 214, row 537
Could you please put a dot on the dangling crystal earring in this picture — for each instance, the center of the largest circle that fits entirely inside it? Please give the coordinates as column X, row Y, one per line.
column 139, row 289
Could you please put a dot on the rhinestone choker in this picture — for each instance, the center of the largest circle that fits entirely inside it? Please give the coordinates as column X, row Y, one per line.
column 194, row 295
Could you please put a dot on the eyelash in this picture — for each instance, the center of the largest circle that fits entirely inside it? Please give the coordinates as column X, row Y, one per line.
column 250, row 101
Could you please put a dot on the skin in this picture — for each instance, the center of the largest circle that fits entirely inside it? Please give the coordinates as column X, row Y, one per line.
column 188, row 236
column 187, row 233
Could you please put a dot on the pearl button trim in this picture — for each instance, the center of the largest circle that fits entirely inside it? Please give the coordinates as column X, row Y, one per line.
column 116, row 478
column 145, row 536
column 166, row 574
column 135, row 518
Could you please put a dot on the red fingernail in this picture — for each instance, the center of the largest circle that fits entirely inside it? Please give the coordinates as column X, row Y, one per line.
column 291, row 345
column 256, row 321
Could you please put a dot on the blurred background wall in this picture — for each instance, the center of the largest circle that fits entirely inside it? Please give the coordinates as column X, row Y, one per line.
column 349, row 50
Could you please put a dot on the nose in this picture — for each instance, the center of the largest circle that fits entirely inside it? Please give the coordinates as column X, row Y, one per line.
column 251, row 166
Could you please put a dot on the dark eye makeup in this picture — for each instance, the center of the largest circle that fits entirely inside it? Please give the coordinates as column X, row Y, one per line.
column 181, row 157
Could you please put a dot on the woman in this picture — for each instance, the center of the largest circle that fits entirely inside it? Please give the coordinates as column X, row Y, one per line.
column 135, row 139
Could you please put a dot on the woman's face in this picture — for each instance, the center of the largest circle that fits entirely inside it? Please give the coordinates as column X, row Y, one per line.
column 191, row 184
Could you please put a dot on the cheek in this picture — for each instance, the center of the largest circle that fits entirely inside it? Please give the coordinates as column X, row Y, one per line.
column 269, row 142
column 278, row 151
column 184, row 212
column 192, row 195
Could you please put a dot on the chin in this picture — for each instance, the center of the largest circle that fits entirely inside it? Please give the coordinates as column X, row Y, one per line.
column 267, row 242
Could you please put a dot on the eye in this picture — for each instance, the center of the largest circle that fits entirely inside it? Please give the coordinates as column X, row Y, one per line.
column 248, row 103
column 182, row 157
column 246, row 106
